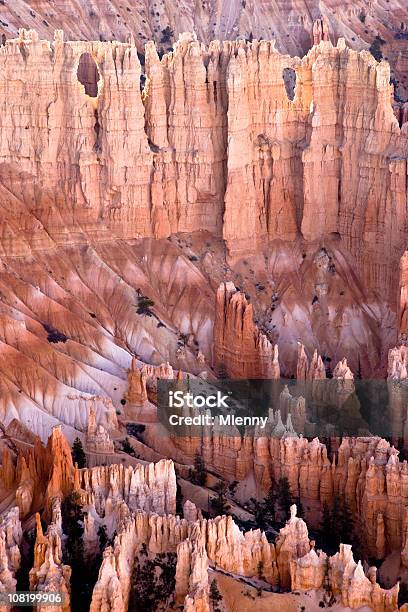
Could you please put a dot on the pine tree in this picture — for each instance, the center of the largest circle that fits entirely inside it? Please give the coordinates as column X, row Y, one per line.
column 78, row 455
column 299, row 506
column 326, row 527
column 219, row 504
column 271, row 501
column 84, row 572
column 179, row 499
column 222, row 371
column 260, row 570
column 198, row 475
column 215, row 595
column 284, row 495
column 337, row 524
column 359, row 375
column 103, row 537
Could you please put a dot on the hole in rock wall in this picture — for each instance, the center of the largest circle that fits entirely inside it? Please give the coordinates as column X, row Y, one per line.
column 88, row 74
column 289, row 78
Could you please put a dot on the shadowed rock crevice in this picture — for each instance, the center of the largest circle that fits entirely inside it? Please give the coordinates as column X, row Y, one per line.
column 88, row 74
column 289, row 78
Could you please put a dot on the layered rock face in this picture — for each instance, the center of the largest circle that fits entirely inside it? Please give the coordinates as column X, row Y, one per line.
column 241, row 350
column 79, row 173
column 403, row 302
column 143, row 183
column 150, row 487
column 295, row 26
column 364, row 473
column 264, row 151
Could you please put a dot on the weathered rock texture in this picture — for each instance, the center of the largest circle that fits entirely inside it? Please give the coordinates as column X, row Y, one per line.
column 291, row 563
column 143, row 183
column 295, row 26
column 92, row 186
column 10, row 556
column 241, row 350
column 150, row 487
column 48, row 573
column 139, row 504
column 365, row 473
column 97, row 438
column 403, row 303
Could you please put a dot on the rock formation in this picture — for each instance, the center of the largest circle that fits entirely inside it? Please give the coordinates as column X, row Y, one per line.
column 293, row 542
column 60, row 481
column 137, row 392
column 239, row 201
column 348, row 578
column 48, row 573
column 10, row 556
column 241, row 350
column 150, row 487
column 320, row 31
column 403, row 301
column 219, row 543
column 139, row 504
column 283, row 155
column 97, row 438
column 294, row 27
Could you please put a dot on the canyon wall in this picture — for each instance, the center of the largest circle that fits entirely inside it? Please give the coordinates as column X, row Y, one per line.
column 203, row 147
column 295, row 25
column 241, row 350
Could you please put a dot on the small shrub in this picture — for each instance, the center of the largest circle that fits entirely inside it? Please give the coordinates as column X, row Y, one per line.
column 144, row 305
column 54, row 336
column 167, row 35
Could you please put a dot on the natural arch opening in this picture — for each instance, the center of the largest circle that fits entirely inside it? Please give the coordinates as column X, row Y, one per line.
column 289, row 78
column 88, row 74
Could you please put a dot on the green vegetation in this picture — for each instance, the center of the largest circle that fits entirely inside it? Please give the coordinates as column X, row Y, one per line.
column 136, row 430
column 144, row 305
column 153, row 582
column 337, row 525
column 219, row 504
column 376, row 48
column 53, row 335
column 84, row 571
column 167, row 35
column 198, row 475
column 78, row 454
column 275, row 507
column 128, row 448
column 215, row 596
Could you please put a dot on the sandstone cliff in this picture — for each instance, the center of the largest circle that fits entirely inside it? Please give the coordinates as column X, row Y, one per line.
column 241, row 350
column 84, row 172
column 295, row 25
column 139, row 187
